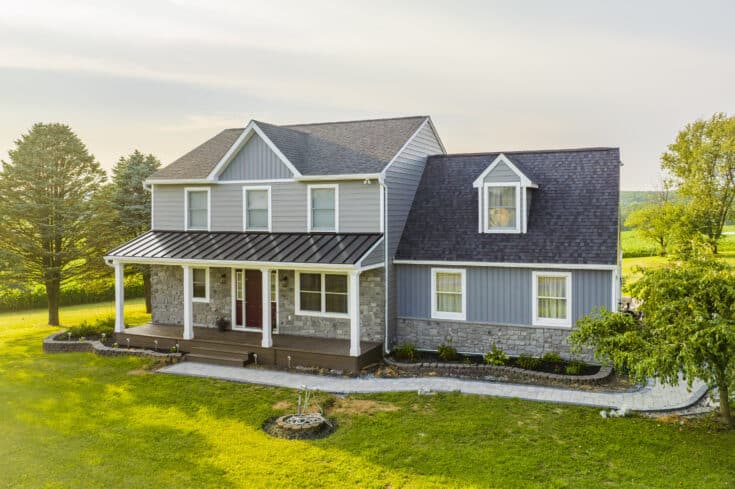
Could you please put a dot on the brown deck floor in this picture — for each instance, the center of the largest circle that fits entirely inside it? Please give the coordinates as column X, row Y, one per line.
column 326, row 352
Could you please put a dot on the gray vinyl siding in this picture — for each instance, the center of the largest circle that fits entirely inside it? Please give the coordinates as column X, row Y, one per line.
column 500, row 296
column 402, row 179
column 255, row 161
column 359, row 207
column 375, row 256
column 502, row 173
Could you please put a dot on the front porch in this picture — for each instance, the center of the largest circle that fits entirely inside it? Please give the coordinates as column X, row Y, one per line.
column 286, row 350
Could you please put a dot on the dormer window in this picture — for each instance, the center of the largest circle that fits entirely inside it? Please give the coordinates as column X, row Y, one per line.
column 503, row 197
column 503, row 208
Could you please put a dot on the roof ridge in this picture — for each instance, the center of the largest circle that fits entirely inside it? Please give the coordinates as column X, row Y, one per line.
column 289, row 126
column 530, row 151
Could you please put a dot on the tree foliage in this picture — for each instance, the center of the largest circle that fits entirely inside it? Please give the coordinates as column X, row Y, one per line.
column 46, row 192
column 658, row 221
column 702, row 162
column 688, row 328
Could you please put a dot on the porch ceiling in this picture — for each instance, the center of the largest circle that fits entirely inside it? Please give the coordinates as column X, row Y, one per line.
column 307, row 248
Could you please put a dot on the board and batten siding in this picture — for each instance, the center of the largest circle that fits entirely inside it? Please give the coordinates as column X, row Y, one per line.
column 255, row 161
column 500, row 296
column 359, row 206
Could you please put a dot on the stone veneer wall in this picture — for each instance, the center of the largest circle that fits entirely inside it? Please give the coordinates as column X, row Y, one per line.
column 372, row 311
column 167, row 294
column 479, row 338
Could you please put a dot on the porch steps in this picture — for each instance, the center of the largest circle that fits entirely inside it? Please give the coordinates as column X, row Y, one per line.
column 219, row 355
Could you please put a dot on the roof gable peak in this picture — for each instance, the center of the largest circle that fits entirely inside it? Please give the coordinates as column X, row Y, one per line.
column 501, row 158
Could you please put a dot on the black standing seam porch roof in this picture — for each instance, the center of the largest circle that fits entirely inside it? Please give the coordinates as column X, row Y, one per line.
column 334, row 249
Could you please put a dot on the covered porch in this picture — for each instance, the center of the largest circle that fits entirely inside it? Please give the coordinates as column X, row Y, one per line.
column 287, row 351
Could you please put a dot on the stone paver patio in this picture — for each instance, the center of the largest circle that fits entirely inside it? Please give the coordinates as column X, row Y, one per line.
column 652, row 397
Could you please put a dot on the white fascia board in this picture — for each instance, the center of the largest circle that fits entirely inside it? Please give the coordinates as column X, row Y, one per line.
column 405, row 145
column 525, row 181
column 232, row 263
column 568, row 266
column 247, row 133
column 341, row 176
column 436, row 135
column 370, row 250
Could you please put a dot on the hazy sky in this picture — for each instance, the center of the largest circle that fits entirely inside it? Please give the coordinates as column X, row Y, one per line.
column 162, row 76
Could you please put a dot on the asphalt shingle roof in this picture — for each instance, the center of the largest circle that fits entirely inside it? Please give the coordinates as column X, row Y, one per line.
column 573, row 216
column 328, row 148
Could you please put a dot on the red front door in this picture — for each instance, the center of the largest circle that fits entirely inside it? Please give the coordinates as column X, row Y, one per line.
column 253, row 299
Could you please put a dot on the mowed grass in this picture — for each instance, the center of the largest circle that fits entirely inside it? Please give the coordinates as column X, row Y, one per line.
column 78, row 420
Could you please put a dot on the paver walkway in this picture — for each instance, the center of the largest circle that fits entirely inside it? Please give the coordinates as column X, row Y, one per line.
column 653, row 397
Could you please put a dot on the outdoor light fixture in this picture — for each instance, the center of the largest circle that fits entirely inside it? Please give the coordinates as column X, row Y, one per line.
column 223, row 279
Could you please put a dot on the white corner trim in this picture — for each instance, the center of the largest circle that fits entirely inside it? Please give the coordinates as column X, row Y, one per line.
column 334, row 186
column 558, row 266
column 246, row 134
column 153, row 205
column 187, row 191
column 245, row 191
column 322, row 313
column 206, row 285
column 435, row 313
column 405, row 145
column 525, row 181
column 539, row 321
column 518, row 228
column 436, row 135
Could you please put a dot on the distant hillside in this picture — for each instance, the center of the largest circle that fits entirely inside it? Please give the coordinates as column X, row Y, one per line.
column 630, row 199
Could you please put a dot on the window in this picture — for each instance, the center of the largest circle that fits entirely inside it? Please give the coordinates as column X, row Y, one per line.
column 503, row 208
column 321, row 294
column 200, row 284
column 197, row 209
column 448, row 293
column 552, row 292
column 257, row 203
column 323, row 209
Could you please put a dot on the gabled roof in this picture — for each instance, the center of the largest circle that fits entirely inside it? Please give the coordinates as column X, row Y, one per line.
column 329, row 148
column 514, row 167
column 573, row 218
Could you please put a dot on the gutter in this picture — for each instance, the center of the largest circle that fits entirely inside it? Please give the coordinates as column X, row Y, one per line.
column 384, row 188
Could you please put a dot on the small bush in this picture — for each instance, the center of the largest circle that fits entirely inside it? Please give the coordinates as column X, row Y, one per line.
column 406, row 351
column 575, row 367
column 552, row 357
column 496, row 356
column 100, row 326
column 447, row 352
column 528, row 362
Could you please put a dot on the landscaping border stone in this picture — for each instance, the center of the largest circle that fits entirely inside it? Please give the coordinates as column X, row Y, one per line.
column 499, row 371
column 52, row 345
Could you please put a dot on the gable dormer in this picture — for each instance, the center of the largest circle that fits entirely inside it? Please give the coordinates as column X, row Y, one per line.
column 503, row 197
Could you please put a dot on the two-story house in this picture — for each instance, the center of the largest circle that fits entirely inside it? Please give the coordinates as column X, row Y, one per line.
column 325, row 244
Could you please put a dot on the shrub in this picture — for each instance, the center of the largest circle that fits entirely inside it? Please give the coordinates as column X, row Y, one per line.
column 528, row 362
column 575, row 367
column 552, row 357
column 406, row 351
column 100, row 326
column 447, row 352
column 496, row 356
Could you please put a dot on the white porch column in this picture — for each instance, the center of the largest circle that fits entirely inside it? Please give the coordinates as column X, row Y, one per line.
column 354, row 308
column 267, row 340
column 119, row 297
column 188, row 320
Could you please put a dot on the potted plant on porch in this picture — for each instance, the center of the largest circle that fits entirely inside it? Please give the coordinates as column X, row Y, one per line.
column 222, row 323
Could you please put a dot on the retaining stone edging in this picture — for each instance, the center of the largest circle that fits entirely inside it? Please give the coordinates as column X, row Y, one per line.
column 499, row 370
column 51, row 345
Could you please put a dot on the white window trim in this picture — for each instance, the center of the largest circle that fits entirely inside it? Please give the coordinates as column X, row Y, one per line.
column 189, row 190
column 537, row 321
column 484, row 210
column 206, row 285
column 323, row 313
column 245, row 191
column 460, row 316
column 336, row 208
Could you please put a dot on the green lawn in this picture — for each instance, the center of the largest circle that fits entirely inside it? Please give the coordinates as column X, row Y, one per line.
column 77, row 420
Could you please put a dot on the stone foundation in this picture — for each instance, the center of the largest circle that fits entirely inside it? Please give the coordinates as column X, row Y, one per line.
column 479, row 338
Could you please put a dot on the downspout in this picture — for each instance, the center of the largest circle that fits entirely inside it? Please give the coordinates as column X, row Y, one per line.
column 384, row 217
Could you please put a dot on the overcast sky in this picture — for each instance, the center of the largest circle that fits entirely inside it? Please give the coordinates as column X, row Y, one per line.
column 162, row 76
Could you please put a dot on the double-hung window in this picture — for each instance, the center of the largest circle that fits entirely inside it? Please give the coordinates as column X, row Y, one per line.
column 323, row 212
column 448, row 293
column 197, row 209
column 502, row 213
column 321, row 294
column 200, row 284
column 256, row 211
column 552, row 299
